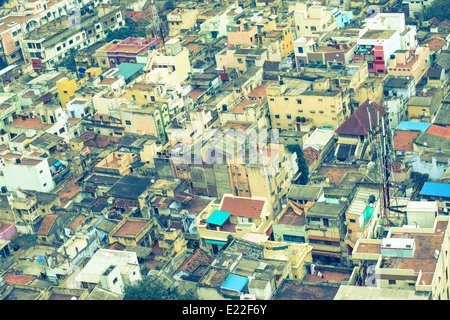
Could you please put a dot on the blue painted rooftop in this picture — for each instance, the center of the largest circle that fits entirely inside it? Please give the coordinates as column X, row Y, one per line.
column 409, row 125
column 129, row 69
column 436, row 189
column 235, row 283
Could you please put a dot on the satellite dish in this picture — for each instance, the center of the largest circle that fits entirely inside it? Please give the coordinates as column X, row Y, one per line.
column 371, row 166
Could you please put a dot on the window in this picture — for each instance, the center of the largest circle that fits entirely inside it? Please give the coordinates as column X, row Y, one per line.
column 299, row 101
column 128, row 122
column 70, row 41
column 277, row 116
column 300, row 50
column 313, row 28
column 288, row 116
column 392, row 282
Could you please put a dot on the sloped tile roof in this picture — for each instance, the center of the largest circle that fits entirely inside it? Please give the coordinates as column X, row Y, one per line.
column 196, row 259
column 310, row 154
column 46, row 224
column 358, row 123
column 243, row 207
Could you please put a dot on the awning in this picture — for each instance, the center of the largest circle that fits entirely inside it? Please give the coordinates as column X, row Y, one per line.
column 220, row 243
column 218, row 217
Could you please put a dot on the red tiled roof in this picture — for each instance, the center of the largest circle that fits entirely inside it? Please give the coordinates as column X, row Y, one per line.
column 358, row 123
column 87, row 136
column 131, row 227
column 434, row 43
column 404, row 140
column 311, row 154
column 243, row 207
column 197, row 258
column 46, row 224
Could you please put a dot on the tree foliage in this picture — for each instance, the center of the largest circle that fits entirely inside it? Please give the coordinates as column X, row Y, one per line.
column 169, row 5
column 3, row 63
column 301, row 162
column 123, row 33
column 439, row 9
column 69, row 61
column 150, row 288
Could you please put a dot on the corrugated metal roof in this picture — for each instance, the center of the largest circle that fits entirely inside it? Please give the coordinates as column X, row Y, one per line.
column 409, row 125
column 436, row 189
column 359, row 201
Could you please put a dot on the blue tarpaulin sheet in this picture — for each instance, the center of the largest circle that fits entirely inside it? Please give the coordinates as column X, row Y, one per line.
column 235, row 283
column 218, row 217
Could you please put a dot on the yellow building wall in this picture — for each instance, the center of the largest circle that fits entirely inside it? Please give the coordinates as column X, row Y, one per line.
column 415, row 112
column 318, row 108
column 66, row 88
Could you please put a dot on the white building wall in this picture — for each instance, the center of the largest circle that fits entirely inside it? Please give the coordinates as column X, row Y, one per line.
column 31, row 177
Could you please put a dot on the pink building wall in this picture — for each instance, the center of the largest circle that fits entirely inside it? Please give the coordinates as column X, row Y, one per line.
column 7, row 231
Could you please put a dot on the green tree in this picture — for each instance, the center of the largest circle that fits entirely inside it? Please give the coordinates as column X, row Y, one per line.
column 301, row 162
column 69, row 61
column 3, row 63
column 153, row 289
column 439, row 9
column 123, row 33
column 169, row 5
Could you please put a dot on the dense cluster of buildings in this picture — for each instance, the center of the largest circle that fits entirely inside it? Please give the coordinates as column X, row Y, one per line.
column 183, row 155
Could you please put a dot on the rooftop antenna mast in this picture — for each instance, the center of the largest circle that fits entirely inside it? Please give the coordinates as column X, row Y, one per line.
column 156, row 19
column 382, row 151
